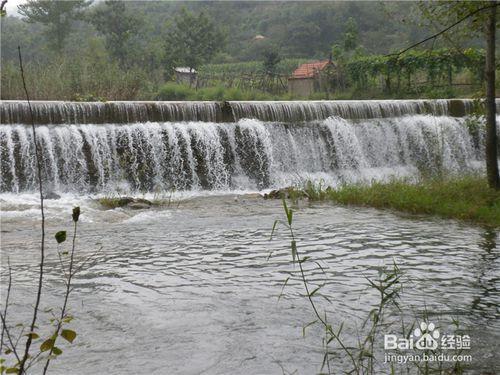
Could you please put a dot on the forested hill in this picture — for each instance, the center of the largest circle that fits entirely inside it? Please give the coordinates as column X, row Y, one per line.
column 127, row 50
column 302, row 29
column 296, row 29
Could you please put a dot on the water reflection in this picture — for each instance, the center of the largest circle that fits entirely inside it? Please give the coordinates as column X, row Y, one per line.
column 486, row 268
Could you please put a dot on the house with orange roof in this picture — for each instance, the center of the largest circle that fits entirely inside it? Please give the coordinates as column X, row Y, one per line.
column 310, row 77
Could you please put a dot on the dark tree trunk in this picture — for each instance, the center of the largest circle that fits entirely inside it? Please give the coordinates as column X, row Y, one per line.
column 491, row 128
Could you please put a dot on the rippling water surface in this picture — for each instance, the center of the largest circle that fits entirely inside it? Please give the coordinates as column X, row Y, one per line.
column 189, row 289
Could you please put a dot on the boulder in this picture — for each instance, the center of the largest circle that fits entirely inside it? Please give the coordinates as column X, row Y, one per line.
column 133, row 203
column 123, row 201
column 288, row 192
column 51, row 195
column 139, row 205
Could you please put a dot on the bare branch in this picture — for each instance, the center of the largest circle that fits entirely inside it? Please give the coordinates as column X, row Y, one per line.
column 9, row 285
column 9, row 337
column 42, row 246
column 444, row 30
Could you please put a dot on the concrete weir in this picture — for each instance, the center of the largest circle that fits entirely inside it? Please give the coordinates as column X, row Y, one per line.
column 160, row 146
column 116, row 112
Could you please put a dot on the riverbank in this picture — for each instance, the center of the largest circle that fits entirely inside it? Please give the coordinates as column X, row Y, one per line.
column 467, row 198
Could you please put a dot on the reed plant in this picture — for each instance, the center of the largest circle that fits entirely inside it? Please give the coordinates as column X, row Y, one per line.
column 361, row 357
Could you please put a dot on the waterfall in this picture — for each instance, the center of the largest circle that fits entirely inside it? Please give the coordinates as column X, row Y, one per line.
column 46, row 112
column 333, row 142
column 316, row 110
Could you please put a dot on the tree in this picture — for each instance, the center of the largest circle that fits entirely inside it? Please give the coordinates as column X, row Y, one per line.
column 478, row 18
column 118, row 24
column 271, row 60
column 303, row 37
column 56, row 16
column 491, row 138
column 2, row 8
column 193, row 40
column 351, row 35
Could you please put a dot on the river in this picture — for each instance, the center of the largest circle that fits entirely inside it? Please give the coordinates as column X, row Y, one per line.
column 193, row 287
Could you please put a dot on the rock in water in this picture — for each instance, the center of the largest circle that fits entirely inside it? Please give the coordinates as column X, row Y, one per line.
column 51, row 195
column 139, row 205
column 287, row 192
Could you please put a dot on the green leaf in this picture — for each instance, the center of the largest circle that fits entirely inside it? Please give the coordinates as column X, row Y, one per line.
column 305, row 259
column 288, row 212
column 76, row 214
column 315, row 290
column 283, row 288
column 56, row 351
column 289, row 216
column 33, row 335
column 366, row 353
column 47, row 345
column 61, row 236
column 306, row 326
column 294, row 250
column 285, row 206
column 12, row 370
column 68, row 334
column 274, row 228
column 8, row 351
column 340, row 329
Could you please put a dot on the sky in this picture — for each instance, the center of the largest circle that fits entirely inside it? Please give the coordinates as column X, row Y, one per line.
column 11, row 6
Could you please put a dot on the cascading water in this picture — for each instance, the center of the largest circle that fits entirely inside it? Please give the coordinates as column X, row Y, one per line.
column 362, row 109
column 56, row 112
column 300, row 141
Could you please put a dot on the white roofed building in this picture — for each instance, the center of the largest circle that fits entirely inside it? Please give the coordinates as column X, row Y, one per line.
column 186, row 75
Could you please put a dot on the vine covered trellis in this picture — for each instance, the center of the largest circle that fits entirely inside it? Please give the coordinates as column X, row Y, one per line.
column 437, row 67
column 412, row 72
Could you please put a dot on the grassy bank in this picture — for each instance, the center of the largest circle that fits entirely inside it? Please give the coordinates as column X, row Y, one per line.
column 174, row 91
column 468, row 198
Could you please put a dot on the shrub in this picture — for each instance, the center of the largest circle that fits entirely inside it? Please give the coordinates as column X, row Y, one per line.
column 212, row 93
column 174, row 91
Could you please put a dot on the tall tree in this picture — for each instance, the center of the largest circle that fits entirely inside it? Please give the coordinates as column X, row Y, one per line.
column 118, row 24
column 193, row 40
column 476, row 18
column 56, row 16
column 271, row 60
column 491, row 138
column 351, row 35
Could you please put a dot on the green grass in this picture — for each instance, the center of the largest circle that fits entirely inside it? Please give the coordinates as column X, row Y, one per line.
column 177, row 92
column 467, row 198
column 174, row 91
